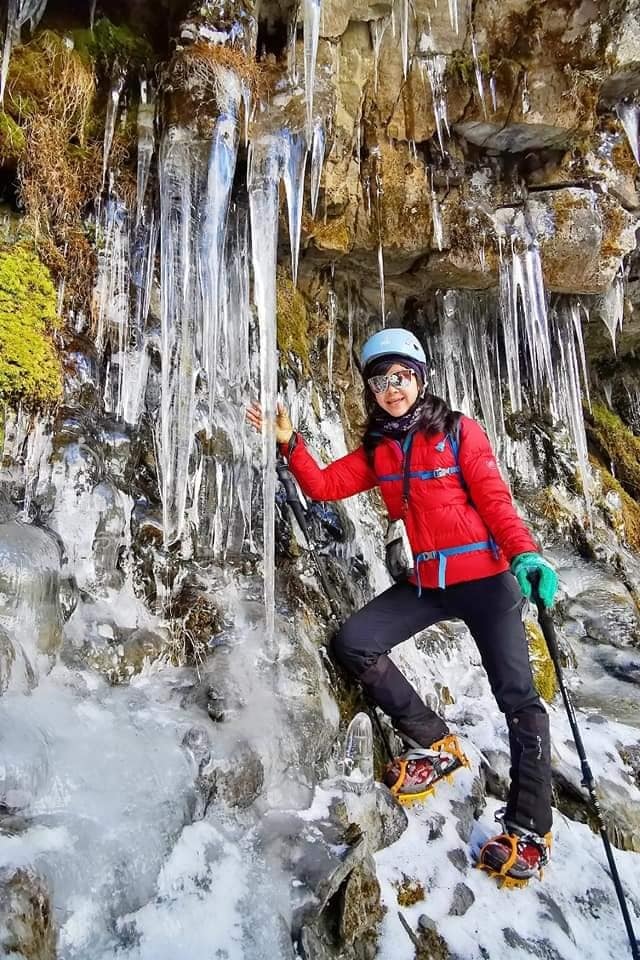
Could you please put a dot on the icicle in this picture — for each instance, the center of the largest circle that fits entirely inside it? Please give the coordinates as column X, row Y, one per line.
column 629, row 114
column 511, row 336
column 453, row 15
column 182, row 173
column 60, row 296
column 456, row 369
column 435, row 66
column 332, row 309
column 436, row 216
column 478, row 73
column 311, row 34
column 357, row 765
column 292, row 64
column 575, row 309
column 110, row 122
column 294, row 188
column 146, row 143
column 265, row 164
column 350, row 327
column 18, row 12
column 38, row 454
column 221, row 169
column 111, row 295
column 383, row 312
column 12, row 29
column 613, row 308
column 493, row 91
column 404, row 35
column 485, row 373
column 522, row 293
column 607, row 389
column 317, row 160
column 570, row 394
column 378, row 28
column 526, row 103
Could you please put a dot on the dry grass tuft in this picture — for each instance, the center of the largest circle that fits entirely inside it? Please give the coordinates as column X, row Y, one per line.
column 50, row 93
column 202, row 62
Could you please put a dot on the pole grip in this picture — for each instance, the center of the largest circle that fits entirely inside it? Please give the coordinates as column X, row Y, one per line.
column 544, row 619
column 291, row 493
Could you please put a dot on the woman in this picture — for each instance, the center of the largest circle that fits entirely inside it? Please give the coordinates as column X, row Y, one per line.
column 438, row 474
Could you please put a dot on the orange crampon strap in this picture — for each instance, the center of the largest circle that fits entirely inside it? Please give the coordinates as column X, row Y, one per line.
column 509, row 862
column 501, row 874
column 449, row 744
column 402, row 775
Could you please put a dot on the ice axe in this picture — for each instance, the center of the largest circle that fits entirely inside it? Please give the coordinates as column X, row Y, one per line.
column 293, row 501
column 549, row 632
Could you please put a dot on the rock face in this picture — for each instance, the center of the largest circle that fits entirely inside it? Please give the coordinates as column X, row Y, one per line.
column 26, row 922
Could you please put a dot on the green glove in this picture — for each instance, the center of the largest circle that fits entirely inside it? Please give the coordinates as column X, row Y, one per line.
column 525, row 567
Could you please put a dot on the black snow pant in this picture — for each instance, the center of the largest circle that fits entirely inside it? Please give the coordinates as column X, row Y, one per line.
column 491, row 608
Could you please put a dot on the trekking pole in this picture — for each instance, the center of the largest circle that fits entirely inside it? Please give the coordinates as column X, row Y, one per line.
column 293, row 500
column 548, row 630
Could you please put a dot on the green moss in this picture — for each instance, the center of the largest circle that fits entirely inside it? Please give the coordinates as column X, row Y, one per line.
column 616, row 447
column 12, row 140
column 461, row 67
column 30, row 368
column 544, row 674
column 293, row 322
column 107, row 45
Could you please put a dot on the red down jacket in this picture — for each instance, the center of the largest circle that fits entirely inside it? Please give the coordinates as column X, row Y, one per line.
column 444, row 512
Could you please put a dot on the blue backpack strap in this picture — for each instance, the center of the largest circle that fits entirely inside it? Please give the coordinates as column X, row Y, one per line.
column 406, row 450
column 454, row 442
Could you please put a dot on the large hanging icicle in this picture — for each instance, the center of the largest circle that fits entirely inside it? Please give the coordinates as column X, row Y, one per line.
column 265, row 169
column 629, row 114
column 524, row 312
column 146, row 142
column 317, row 159
column 572, row 380
column 182, row 175
column 457, row 371
column 295, row 161
column 612, row 308
column 311, row 27
column 434, row 66
column 110, row 122
column 221, row 169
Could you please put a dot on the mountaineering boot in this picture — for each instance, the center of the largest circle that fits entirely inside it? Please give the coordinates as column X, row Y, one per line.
column 515, row 855
column 413, row 776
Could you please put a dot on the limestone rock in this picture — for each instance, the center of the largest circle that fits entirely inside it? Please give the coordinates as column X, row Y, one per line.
column 537, row 107
column 380, row 818
column 26, row 916
column 361, row 909
column 583, row 236
column 463, row 898
column 606, row 617
column 336, row 14
column 601, row 158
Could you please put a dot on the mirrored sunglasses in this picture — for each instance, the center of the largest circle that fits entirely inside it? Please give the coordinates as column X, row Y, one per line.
column 399, row 381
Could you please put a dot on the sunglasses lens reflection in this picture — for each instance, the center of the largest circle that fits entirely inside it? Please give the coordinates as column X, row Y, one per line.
column 396, row 380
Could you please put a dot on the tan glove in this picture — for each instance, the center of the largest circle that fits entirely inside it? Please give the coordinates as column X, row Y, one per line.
column 284, row 427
